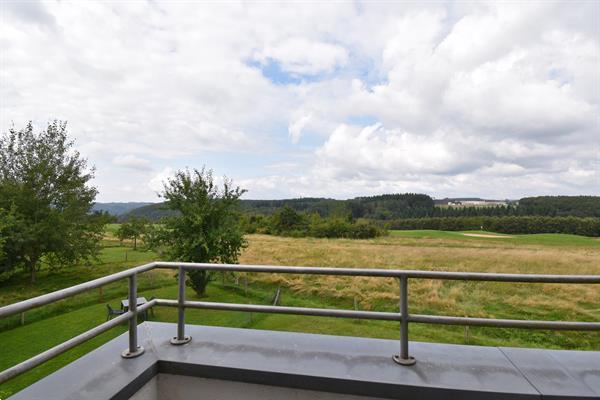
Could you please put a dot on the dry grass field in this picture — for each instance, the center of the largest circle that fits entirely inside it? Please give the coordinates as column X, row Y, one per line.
column 459, row 253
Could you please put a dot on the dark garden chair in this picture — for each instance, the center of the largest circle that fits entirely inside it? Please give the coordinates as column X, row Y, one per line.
column 111, row 312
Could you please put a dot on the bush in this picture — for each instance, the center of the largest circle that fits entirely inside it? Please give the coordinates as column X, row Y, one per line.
column 334, row 227
column 366, row 230
column 289, row 222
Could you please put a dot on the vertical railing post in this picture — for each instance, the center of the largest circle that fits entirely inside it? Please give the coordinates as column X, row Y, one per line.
column 134, row 350
column 403, row 358
column 181, row 338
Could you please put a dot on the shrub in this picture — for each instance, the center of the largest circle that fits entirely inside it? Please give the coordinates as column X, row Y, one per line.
column 340, row 228
column 289, row 222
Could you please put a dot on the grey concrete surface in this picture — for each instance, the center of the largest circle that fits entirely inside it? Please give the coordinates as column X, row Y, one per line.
column 100, row 374
column 178, row 387
column 332, row 364
column 559, row 373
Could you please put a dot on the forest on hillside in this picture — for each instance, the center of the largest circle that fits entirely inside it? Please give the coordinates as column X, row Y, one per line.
column 556, row 206
column 403, row 206
column 524, row 224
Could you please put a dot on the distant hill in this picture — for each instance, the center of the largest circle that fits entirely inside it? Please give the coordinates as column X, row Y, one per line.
column 118, row 209
column 152, row 211
column 556, row 206
column 387, row 206
column 384, row 207
column 408, row 205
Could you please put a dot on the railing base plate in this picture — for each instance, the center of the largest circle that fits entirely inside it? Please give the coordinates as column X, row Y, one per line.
column 404, row 361
column 128, row 354
column 179, row 342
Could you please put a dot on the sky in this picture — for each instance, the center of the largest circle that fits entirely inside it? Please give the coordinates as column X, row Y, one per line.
column 315, row 99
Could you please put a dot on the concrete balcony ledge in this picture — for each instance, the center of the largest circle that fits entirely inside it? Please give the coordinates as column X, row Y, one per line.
column 229, row 363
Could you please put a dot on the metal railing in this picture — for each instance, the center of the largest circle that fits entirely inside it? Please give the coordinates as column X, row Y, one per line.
column 403, row 358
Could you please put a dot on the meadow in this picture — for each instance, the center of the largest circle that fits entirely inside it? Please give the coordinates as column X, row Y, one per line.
column 431, row 250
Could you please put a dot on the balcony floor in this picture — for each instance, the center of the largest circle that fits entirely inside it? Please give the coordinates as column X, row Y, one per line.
column 254, row 361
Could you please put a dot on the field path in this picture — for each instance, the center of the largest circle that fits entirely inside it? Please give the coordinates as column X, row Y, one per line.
column 488, row 236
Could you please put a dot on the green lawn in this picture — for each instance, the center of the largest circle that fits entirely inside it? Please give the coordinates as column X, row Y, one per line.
column 111, row 260
column 111, row 229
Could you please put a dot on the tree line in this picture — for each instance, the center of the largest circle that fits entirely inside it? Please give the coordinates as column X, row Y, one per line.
column 400, row 206
column 588, row 226
column 561, row 206
column 384, row 207
column 288, row 222
column 414, row 205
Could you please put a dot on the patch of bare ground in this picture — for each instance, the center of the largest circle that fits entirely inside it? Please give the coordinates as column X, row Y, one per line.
column 481, row 235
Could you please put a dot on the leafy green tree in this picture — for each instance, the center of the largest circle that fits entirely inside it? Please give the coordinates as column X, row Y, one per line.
column 207, row 226
column 133, row 229
column 44, row 185
column 9, row 233
column 5, row 225
column 154, row 238
column 287, row 221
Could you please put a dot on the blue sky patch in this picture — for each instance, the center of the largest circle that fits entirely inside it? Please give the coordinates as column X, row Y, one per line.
column 273, row 71
column 560, row 75
column 363, row 120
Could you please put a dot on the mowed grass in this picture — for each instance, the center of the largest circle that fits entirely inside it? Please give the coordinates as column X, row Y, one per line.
column 111, row 229
column 110, row 260
column 51, row 325
column 544, row 239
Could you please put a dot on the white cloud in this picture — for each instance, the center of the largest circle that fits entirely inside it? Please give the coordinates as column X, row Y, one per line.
column 156, row 183
column 295, row 128
column 469, row 98
column 375, row 151
column 132, row 162
column 305, row 57
column 505, row 97
column 503, row 169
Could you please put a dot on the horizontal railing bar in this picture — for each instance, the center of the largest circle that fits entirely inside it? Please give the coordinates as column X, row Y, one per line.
column 505, row 323
column 69, row 344
column 70, row 291
column 388, row 316
column 389, row 273
column 322, row 312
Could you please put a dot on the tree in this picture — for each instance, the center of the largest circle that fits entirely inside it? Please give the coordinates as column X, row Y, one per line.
column 6, row 223
column 207, row 226
column 133, row 229
column 154, row 238
column 44, row 187
column 287, row 220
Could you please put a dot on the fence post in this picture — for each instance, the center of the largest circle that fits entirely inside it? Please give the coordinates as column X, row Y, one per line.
column 181, row 338
column 403, row 358
column 134, row 350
